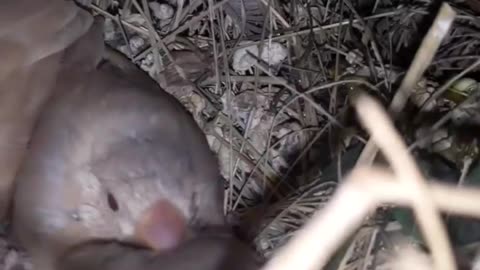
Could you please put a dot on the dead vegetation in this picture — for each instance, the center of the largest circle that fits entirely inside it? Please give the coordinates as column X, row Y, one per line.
column 279, row 88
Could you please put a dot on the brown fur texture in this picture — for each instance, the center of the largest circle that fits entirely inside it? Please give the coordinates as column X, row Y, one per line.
column 105, row 141
column 32, row 39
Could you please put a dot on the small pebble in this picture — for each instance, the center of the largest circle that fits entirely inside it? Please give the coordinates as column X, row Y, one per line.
column 136, row 43
column 161, row 11
column 273, row 53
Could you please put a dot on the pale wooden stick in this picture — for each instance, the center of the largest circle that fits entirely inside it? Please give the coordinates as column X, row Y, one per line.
column 363, row 189
column 384, row 135
column 314, row 244
column 421, row 61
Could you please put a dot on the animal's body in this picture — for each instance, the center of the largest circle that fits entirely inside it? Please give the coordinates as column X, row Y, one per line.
column 112, row 157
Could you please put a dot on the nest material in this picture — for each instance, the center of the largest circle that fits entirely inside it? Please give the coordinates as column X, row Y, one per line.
column 284, row 129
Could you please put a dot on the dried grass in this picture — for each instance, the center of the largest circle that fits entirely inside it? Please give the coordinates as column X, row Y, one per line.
column 337, row 50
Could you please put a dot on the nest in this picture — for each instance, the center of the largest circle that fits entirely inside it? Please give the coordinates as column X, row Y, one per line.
column 280, row 89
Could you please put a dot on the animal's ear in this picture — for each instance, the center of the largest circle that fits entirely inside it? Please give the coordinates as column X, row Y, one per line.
column 162, row 226
column 43, row 27
column 89, row 49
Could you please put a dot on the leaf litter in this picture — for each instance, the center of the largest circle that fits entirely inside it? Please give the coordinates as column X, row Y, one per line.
column 271, row 83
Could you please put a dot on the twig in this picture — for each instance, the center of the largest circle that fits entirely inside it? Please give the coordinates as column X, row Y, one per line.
column 422, row 59
column 367, row 188
column 331, row 226
column 314, row 104
column 384, row 135
column 171, row 37
column 319, row 28
column 275, row 13
column 465, row 169
column 151, row 35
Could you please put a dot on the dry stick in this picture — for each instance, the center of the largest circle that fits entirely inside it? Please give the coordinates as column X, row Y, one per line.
column 396, row 152
column 275, row 13
column 422, row 59
column 178, row 13
column 288, row 103
column 385, row 188
column 263, row 157
column 467, row 162
column 171, row 36
column 317, row 106
column 370, row 247
column 229, row 91
column 160, row 44
column 250, row 79
column 125, row 36
column 150, row 32
column 284, row 211
column 239, row 154
column 320, row 28
column 189, row 9
column 334, row 90
column 272, row 173
column 151, row 35
column 282, row 180
column 368, row 33
column 381, row 185
column 313, row 245
column 244, row 137
column 267, row 169
column 455, row 58
column 365, row 188
column 140, row 30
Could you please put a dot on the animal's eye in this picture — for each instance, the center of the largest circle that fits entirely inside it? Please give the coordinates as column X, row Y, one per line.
column 112, row 202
